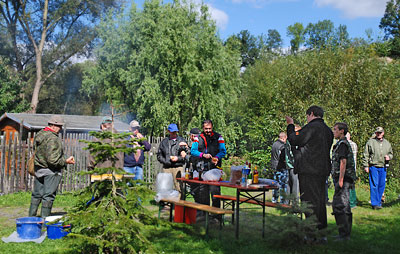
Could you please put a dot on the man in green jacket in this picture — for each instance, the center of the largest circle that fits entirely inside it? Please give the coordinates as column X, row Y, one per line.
column 49, row 161
column 377, row 154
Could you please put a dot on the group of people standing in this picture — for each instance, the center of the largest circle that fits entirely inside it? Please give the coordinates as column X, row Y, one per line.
column 301, row 158
column 207, row 151
column 306, row 156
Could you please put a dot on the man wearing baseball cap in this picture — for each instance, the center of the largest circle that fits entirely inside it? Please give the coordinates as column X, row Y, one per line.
column 377, row 154
column 49, row 161
column 171, row 153
column 133, row 162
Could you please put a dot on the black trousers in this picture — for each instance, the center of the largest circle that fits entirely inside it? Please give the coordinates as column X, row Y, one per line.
column 341, row 208
column 202, row 194
column 312, row 191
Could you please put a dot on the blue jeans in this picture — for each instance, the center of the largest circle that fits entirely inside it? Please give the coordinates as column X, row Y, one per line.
column 377, row 182
column 282, row 177
column 137, row 170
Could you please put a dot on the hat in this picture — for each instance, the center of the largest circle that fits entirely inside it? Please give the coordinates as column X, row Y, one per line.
column 134, row 124
column 379, row 129
column 106, row 119
column 172, row 127
column 56, row 120
column 195, row 131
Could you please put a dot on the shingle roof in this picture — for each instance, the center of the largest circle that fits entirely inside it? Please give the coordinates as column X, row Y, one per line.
column 72, row 122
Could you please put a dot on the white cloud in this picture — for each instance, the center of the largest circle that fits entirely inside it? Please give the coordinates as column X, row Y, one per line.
column 260, row 3
column 220, row 17
column 356, row 8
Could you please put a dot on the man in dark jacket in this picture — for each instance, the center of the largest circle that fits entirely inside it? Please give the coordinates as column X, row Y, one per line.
column 49, row 161
column 133, row 162
column 209, row 147
column 172, row 152
column 313, row 162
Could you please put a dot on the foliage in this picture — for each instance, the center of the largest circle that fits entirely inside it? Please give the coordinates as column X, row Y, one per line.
column 273, row 40
column 323, row 34
column 249, row 47
column 288, row 230
column 390, row 23
column 42, row 36
column 166, row 64
column 62, row 93
column 112, row 221
column 352, row 85
column 11, row 99
column 296, row 32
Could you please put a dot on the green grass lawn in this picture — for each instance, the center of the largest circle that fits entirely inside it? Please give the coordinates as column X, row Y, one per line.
column 374, row 231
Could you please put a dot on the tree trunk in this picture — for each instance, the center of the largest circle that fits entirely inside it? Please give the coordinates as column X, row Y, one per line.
column 38, row 83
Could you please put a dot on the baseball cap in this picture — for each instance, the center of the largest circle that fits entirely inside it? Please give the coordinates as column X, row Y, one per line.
column 134, row 124
column 56, row 120
column 195, row 131
column 172, row 127
column 106, row 119
column 379, row 129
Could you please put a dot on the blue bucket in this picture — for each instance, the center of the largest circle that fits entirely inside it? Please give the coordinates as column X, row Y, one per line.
column 29, row 227
column 57, row 230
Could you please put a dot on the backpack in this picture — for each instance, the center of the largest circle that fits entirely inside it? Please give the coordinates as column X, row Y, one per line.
column 31, row 165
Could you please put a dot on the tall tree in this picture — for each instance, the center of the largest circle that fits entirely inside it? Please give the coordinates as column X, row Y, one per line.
column 166, row 64
column 274, row 40
column 44, row 35
column 320, row 34
column 296, row 32
column 390, row 21
column 249, row 47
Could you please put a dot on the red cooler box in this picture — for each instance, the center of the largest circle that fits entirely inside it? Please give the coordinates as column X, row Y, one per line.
column 190, row 214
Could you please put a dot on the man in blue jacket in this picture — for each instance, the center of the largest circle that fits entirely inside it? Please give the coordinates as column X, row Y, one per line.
column 210, row 148
column 133, row 162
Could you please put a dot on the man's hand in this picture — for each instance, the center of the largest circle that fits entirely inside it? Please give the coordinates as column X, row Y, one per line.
column 139, row 135
column 387, row 157
column 207, row 156
column 70, row 160
column 174, row 158
column 215, row 160
column 341, row 183
column 289, row 120
column 183, row 154
column 366, row 169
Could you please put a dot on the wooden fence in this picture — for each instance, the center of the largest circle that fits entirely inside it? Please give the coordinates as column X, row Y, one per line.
column 14, row 153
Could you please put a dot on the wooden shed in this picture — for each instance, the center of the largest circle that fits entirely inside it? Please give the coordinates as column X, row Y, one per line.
column 11, row 123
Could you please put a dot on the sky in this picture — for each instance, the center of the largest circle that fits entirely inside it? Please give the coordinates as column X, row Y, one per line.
column 258, row 16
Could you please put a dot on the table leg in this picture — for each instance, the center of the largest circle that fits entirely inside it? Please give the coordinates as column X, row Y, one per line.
column 237, row 213
column 263, row 207
column 170, row 212
column 183, row 190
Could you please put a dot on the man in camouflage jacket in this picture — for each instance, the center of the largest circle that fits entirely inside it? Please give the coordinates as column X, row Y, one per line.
column 49, row 161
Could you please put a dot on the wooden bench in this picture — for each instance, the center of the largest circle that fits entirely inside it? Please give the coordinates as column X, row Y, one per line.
column 206, row 208
column 250, row 201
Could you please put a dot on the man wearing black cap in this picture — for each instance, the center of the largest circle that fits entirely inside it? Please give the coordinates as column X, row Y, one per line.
column 49, row 161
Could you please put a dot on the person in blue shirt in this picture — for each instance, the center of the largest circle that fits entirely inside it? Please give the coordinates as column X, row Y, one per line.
column 133, row 162
column 209, row 147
